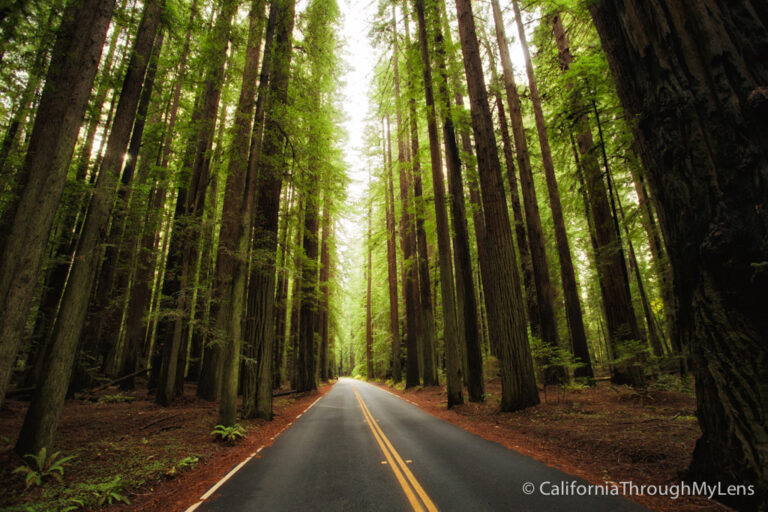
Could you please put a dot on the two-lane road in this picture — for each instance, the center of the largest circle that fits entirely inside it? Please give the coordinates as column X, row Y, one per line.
column 360, row 448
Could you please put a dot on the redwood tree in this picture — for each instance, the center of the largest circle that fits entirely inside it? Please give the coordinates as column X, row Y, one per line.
column 693, row 77
column 42, row 417
column 68, row 83
column 503, row 298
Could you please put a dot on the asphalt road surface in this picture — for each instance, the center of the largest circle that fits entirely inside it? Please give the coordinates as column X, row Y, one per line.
column 360, row 448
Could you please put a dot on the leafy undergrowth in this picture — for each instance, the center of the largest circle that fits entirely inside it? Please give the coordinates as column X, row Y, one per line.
column 600, row 434
column 132, row 453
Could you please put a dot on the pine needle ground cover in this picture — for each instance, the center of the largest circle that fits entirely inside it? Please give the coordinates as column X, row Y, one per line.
column 165, row 458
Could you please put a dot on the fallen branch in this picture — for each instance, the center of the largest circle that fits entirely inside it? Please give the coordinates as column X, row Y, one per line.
column 283, row 393
column 112, row 383
column 158, row 421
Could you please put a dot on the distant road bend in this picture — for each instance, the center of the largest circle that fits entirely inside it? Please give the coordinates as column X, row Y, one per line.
column 360, row 448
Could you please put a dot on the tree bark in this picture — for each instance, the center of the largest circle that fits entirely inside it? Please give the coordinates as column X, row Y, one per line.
column 567, row 274
column 466, row 304
column 416, row 311
column 389, row 195
column 231, row 261
column 448, row 293
column 74, row 62
column 265, row 220
column 368, row 323
column 523, row 248
column 185, row 236
column 503, row 296
column 544, row 293
column 325, row 292
column 625, row 328
column 42, row 417
column 418, row 215
column 307, row 376
column 693, row 76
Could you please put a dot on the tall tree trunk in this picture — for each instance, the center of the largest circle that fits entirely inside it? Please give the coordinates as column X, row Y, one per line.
column 389, row 199
column 70, row 76
column 368, row 323
column 70, row 224
column 474, row 191
column 42, row 417
column 105, row 303
column 319, row 37
column 607, row 254
column 309, row 304
column 660, row 263
column 230, row 288
column 544, row 292
column 612, row 275
column 420, row 268
column 625, row 332
column 324, row 288
column 266, row 210
column 293, row 329
column 140, row 299
column 567, row 274
column 450, row 325
column 416, row 311
column 694, row 76
column 183, row 253
column 281, row 301
column 502, row 295
column 523, row 247
column 466, row 304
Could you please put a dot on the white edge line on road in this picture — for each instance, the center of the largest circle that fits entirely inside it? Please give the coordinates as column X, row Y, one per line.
column 239, row 466
column 219, row 484
column 227, row 477
column 398, row 396
column 310, row 405
column 193, row 507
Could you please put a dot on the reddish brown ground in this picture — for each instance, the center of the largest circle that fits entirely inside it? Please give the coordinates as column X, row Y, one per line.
column 601, row 434
column 143, row 443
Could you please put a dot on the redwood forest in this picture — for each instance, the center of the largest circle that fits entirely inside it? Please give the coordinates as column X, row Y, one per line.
column 383, row 255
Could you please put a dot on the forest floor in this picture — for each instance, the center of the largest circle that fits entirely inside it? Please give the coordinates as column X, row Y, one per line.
column 602, row 434
column 165, row 457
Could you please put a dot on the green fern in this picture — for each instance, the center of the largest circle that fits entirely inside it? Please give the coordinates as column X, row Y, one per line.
column 229, row 434
column 107, row 493
column 188, row 462
column 43, row 466
column 74, row 504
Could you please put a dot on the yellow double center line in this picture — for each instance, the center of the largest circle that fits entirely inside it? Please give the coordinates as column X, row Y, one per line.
column 404, row 476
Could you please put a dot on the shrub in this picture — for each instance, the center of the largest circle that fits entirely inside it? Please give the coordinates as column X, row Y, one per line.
column 228, row 434
column 105, row 493
column 42, row 467
column 113, row 399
